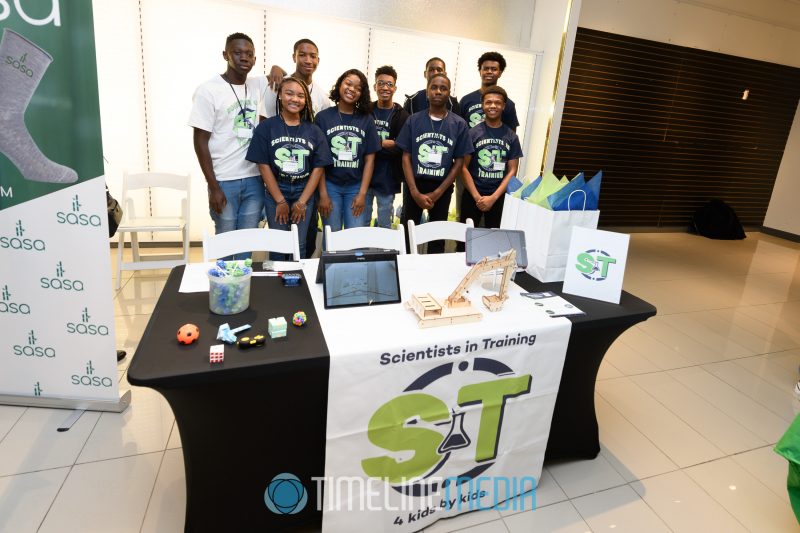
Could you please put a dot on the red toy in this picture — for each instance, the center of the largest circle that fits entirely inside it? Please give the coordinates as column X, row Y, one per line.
column 188, row 333
column 216, row 354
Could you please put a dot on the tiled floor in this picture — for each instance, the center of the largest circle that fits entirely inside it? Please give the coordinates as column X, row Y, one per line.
column 689, row 404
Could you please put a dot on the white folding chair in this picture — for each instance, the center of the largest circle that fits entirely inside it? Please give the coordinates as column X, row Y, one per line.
column 134, row 223
column 367, row 237
column 437, row 230
column 251, row 240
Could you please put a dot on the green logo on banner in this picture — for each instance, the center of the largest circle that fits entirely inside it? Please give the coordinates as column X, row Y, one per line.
column 427, row 431
column 19, row 242
column 89, row 379
column 84, row 327
column 593, row 264
column 10, row 307
column 76, row 218
column 60, row 283
column 32, row 350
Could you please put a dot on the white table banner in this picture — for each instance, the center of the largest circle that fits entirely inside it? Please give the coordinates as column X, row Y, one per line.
column 411, row 412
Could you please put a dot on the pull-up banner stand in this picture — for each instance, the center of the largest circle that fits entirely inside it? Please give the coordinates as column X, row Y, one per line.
column 57, row 343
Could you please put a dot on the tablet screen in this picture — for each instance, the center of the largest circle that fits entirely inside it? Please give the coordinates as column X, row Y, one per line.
column 486, row 242
column 360, row 278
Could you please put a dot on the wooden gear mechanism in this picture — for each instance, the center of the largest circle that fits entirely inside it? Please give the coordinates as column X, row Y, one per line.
column 457, row 308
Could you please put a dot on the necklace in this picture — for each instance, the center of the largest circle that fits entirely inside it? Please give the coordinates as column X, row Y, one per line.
column 241, row 107
column 286, row 126
column 441, row 122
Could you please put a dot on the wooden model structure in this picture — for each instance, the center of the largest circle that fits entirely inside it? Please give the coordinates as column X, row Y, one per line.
column 456, row 308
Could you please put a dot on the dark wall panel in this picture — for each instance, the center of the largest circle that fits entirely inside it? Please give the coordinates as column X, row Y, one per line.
column 668, row 127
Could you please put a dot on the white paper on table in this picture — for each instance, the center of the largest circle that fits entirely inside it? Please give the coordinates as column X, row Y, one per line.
column 195, row 277
column 282, row 266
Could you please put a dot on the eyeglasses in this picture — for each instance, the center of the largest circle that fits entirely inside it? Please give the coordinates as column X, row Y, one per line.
column 387, row 84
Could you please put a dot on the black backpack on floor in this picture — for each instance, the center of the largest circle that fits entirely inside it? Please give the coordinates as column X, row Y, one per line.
column 717, row 220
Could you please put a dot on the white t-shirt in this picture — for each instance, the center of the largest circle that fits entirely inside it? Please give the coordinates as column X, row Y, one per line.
column 319, row 100
column 228, row 111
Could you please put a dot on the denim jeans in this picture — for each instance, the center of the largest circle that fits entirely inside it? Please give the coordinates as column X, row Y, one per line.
column 385, row 208
column 291, row 193
column 341, row 213
column 245, row 200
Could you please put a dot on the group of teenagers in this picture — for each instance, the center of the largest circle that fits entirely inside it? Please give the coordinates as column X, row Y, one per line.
column 284, row 146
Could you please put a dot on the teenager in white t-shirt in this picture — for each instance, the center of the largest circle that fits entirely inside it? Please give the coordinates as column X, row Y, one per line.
column 306, row 60
column 224, row 115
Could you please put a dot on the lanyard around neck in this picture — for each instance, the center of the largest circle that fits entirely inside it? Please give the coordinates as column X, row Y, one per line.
column 241, row 107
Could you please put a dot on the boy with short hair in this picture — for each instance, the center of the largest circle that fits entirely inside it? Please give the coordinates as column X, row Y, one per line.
column 490, row 167
column 419, row 100
column 305, row 57
column 224, row 115
column 434, row 143
column 389, row 119
column 491, row 66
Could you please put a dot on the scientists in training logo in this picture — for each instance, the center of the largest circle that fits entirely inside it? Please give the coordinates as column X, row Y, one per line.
column 425, row 428
column 285, row 494
column 344, row 147
column 491, row 161
column 430, row 153
column 291, row 159
column 594, row 264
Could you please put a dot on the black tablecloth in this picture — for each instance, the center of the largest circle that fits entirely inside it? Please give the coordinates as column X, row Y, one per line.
column 179, row 365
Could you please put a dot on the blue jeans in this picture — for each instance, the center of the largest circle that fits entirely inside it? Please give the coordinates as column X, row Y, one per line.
column 245, row 200
column 341, row 213
column 291, row 193
column 385, row 207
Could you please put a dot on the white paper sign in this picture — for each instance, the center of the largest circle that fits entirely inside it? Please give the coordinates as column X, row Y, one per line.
column 596, row 264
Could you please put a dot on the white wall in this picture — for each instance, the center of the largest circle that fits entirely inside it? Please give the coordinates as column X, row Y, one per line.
column 506, row 22
column 150, row 66
column 784, row 212
column 766, row 30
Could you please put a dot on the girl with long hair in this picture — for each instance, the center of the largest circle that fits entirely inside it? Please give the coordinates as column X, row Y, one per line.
column 291, row 153
column 353, row 140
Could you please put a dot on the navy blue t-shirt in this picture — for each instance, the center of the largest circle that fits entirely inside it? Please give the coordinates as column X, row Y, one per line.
column 345, row 133
column 382, row 177
column 422, row 136
column 472, row 111
column 300, row 149
column 494, row 148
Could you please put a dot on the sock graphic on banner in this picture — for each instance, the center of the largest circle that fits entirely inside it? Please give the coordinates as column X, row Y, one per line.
column 22, row 66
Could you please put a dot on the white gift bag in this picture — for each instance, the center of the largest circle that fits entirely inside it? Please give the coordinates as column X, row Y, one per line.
column 547, row 234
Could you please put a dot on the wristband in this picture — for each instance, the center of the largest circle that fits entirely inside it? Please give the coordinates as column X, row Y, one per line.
column 282, row 201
